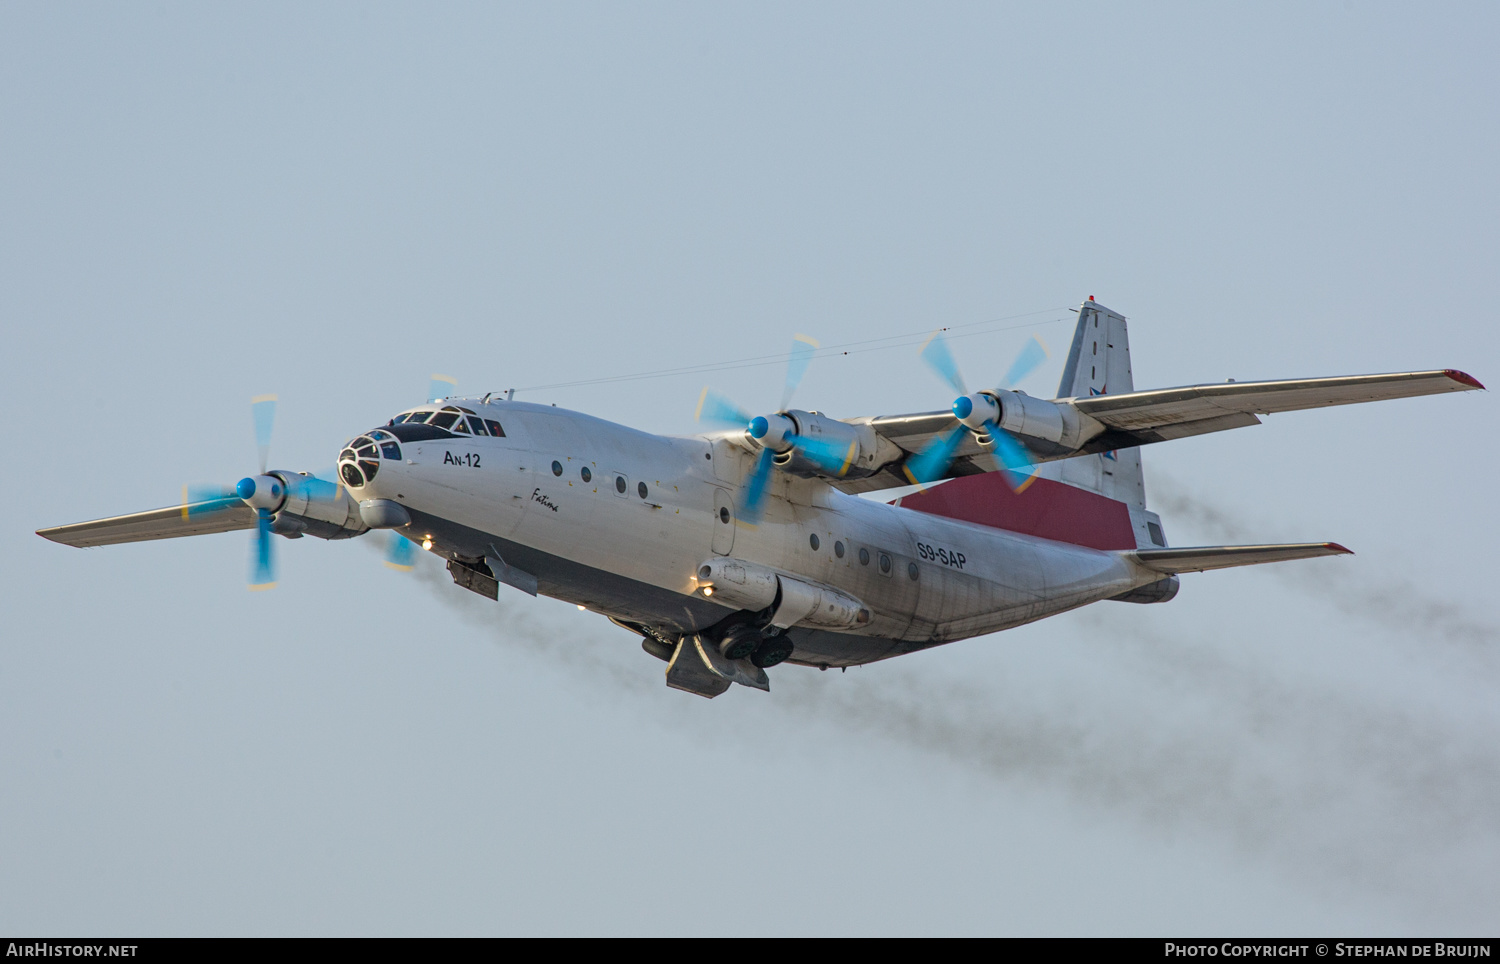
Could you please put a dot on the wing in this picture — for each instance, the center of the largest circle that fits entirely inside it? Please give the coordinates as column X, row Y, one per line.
column 1101, row 423
column 909, row 434
column 169, row 523
column 1168, row 413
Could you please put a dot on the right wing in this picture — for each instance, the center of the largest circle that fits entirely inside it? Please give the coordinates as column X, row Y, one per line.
column 169, row 523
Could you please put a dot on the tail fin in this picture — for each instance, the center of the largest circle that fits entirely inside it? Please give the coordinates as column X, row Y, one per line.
column 1090, row 500
column 1099, row 364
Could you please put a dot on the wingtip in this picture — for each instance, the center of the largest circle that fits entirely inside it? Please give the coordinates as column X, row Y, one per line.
column 1338, row 549
column 1463, row 378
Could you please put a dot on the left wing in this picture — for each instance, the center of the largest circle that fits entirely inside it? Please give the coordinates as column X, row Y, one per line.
column 1065, row 427
column 1165, row 413
column 169, row 523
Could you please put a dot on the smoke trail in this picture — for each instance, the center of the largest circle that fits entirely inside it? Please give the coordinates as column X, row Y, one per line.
column 1328, row 785
column 1319, row 782
column 578, row 652
column 1398, row 604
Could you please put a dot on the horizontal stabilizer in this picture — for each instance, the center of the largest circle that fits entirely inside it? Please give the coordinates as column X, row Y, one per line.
column 169, row 523
column 1199, row 558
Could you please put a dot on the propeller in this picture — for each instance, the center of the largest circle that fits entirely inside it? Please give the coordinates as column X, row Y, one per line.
column 773, row 430
column 441, row 387
column 400, row 553
column 264, row 493
column 975, row 411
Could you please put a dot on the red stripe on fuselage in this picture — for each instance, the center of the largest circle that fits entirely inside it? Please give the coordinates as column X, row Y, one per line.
column 1051, row 510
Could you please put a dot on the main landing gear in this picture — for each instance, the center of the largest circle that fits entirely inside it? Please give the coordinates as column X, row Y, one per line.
column 762, row 647
column 737, row 650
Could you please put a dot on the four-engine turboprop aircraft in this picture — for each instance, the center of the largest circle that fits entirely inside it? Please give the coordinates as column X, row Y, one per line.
column 736, row 550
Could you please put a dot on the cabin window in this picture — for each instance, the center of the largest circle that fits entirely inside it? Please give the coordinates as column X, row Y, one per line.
column 495, row 428
column 723, row 515
column 476, row 424
column 812, row 540
column 911, row 571
column 864, row 556
column 885, row 564
column 620, row 484
column 838, row 549
column 585, row 474
column 443, row 420
column 641, row 489
column 556, row 467
column 390, row 450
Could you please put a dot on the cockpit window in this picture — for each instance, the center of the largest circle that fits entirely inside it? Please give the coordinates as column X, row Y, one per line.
column 358, row 462
column 451, row 418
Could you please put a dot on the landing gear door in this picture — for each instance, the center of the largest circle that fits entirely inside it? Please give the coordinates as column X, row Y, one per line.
column 723, row 522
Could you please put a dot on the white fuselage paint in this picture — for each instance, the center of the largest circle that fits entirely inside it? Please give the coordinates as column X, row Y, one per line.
column 970, row 579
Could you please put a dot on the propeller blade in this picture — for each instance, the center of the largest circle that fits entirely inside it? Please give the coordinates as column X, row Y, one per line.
column 796, row 366
column 400, row 553
column 715, row 408
column 441, row 387
column 1028, row 361
column 200, row 500
column 932, row 462
column 755, row 488
column 263, row 410
column 322, row 486
column 832, row 458
column 1014, row 461
column 262, row 560
column 937, row 356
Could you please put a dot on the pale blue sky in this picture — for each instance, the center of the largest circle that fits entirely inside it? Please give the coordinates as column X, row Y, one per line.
column 330, row 202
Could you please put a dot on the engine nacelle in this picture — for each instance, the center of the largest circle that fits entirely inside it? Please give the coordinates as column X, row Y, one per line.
column 324, row 509
column 1020, row 414
column 849, row 451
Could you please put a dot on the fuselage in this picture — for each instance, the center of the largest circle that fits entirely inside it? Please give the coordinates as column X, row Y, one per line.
column 620, row 521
